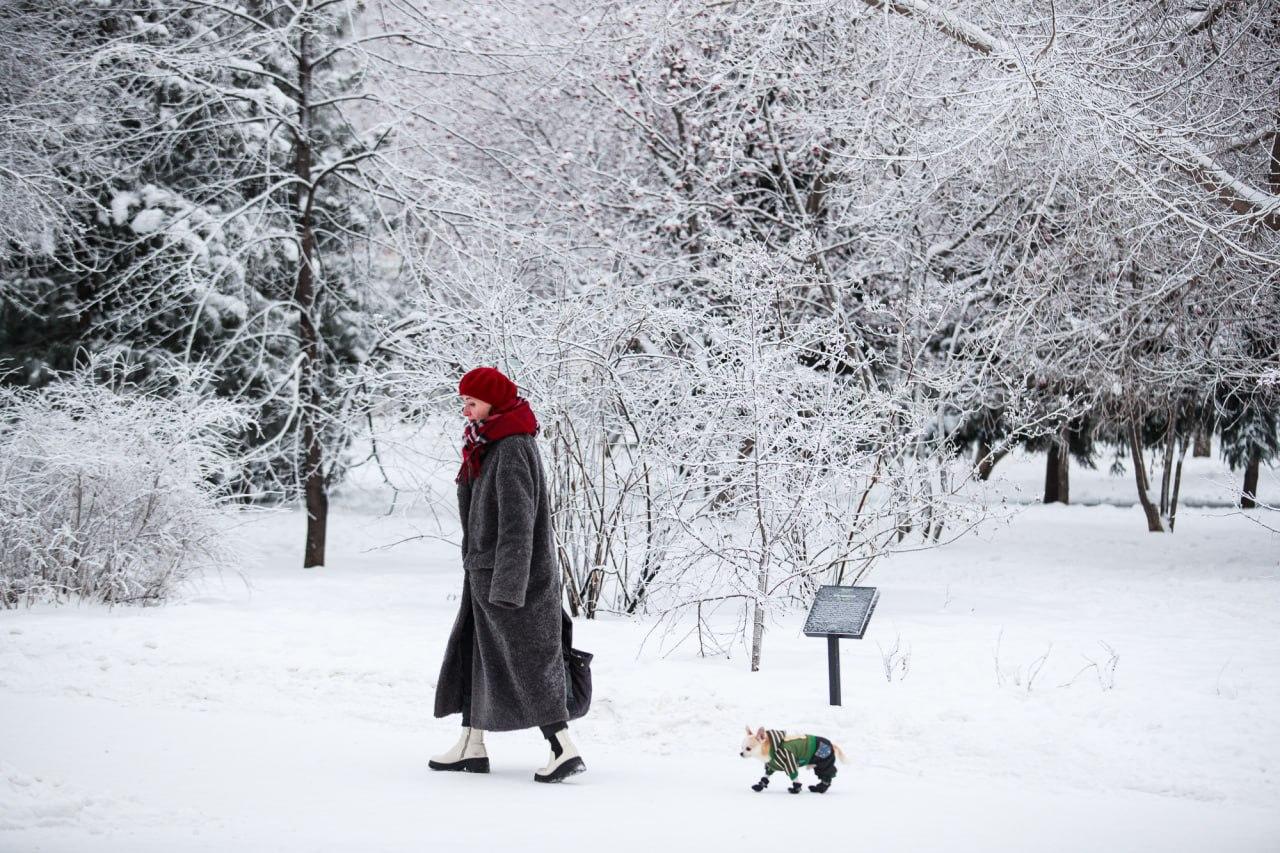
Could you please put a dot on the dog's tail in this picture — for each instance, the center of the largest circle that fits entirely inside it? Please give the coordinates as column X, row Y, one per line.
column 839, row 753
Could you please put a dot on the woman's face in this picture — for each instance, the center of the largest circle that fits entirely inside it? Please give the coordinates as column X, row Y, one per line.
column 475, row 410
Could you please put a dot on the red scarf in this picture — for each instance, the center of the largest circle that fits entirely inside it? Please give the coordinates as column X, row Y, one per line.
column 514, row 418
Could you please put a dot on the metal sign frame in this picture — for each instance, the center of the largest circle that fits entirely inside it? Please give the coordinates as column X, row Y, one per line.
column 831, row 597
column 825, row 611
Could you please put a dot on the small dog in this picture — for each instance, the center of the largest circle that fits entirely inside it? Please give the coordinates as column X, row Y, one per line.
column 789, row 754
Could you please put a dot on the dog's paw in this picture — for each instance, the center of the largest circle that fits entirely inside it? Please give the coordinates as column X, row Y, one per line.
column 757, row 787
column 818, row 789
column 795, row 788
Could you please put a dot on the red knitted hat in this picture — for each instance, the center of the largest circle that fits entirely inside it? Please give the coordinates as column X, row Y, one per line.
column 488, row 384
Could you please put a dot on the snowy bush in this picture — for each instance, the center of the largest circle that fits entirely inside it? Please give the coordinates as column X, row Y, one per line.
column 714, row 454
column 106, row 491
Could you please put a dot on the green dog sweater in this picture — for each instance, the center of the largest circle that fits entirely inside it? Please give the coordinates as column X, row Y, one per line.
column 789, row 754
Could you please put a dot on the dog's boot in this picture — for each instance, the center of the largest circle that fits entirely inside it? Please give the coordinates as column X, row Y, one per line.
column 468, row 754
column 820, row 788
column 565, row 760
column 795, row 788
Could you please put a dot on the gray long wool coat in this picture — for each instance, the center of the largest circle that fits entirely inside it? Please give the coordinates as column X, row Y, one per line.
column 510, row 605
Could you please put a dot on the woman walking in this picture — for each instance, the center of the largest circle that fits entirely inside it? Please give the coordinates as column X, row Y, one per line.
column 504, row 667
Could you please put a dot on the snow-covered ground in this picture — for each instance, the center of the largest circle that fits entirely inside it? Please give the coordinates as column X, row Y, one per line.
column 294, row 713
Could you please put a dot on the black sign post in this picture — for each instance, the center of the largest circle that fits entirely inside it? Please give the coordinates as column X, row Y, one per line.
column 840, row 611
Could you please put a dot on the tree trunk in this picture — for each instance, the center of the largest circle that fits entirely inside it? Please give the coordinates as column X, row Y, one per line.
column 1166, row 474
column 650, row 567
column 757, row 629
column 1140, row 474
column 987, row 460
column 1177, row 484
column 1204, row 441
column 1064, row 470
column 1054, row 474
column 595, row 585
column 570, row 584
column 1249, row 494
column 943, row 481
column 926, row 490
column 304, row 297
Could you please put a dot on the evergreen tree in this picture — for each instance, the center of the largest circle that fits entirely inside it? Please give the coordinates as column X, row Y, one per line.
column 1250, row 437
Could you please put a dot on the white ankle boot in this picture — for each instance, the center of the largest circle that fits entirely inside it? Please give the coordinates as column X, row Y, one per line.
column 467, row 754
column 564, row 765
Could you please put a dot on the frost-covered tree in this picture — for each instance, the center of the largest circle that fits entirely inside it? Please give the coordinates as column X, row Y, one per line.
column 1036, row 223
column 187, row 244
column 932, row 158
column 709, row 457
column 966, row 201
column 45, row 135
column 254, row 212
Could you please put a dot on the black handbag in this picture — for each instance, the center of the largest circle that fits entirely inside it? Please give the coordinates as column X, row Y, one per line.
column 577, row 672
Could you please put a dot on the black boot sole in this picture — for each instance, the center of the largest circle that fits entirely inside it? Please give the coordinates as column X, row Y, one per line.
column 570, row 768
column 467, row 765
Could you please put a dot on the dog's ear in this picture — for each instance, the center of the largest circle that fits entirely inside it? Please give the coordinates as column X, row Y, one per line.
column 760, row 733
column 749, row 731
